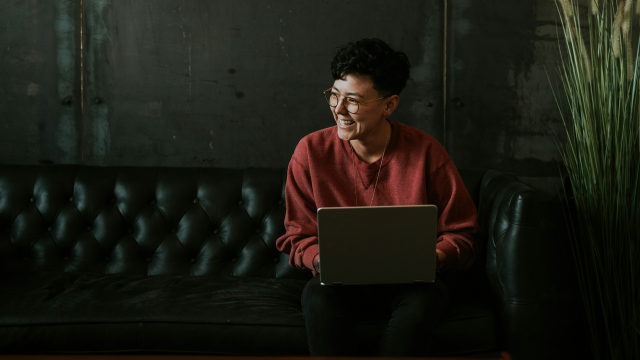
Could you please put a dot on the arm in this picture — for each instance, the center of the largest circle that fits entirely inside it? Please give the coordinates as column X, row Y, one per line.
column 301, row 238
column 457, row 217
column 441, row 259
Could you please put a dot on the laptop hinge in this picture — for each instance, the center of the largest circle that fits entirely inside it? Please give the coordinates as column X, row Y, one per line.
column 337, row 283
column 418, row 281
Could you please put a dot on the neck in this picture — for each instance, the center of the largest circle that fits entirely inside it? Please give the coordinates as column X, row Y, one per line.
column 371, row 149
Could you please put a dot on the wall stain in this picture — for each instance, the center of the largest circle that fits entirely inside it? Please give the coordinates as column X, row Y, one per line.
column 33, row 89
column 490, row 56
column 98, row 136
column 66, row 133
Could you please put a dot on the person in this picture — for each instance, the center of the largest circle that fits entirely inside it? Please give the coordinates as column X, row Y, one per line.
column 366, row 159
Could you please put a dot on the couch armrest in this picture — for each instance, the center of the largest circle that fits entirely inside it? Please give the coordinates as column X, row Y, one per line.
column 509, row 215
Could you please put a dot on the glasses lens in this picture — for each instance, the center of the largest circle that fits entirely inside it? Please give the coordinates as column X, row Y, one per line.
column 332, row 99
column 351, row 105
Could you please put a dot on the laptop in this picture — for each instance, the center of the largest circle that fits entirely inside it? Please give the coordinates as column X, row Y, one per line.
column 377, row 245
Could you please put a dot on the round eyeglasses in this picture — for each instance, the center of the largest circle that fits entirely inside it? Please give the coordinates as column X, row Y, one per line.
column 352, row 105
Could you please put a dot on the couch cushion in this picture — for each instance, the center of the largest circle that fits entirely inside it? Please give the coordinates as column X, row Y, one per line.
column 88, row 312
column 143, row 221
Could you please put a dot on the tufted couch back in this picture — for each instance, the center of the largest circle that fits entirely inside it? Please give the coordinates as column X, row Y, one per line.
column 145, row 221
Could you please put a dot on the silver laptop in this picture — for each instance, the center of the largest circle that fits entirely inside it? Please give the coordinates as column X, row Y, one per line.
column 377, row 245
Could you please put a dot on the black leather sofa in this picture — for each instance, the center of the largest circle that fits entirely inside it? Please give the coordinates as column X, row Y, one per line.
column 134, row 259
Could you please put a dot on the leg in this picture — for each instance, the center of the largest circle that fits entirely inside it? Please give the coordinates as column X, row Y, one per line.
column 327, row 315
column 415, row 311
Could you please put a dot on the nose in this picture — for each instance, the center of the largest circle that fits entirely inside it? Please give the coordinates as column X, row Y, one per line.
column 340, row 108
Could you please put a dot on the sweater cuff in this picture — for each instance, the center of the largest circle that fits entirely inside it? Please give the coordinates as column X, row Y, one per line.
column 451, row 252
column 308, row 256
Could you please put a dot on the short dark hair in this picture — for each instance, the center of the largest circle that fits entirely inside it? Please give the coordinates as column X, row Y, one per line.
column 387, row 68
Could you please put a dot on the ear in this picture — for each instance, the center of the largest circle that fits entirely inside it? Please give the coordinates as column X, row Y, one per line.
column 390, row 104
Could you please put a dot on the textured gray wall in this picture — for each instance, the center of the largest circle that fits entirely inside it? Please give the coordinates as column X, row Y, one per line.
column 40, row 119
column 238, row 83
column 499, row 101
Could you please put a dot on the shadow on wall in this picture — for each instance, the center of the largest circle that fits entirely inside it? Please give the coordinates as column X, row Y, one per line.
column 499, row 95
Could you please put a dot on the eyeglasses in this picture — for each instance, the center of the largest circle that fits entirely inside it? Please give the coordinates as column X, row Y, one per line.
column 352, row 105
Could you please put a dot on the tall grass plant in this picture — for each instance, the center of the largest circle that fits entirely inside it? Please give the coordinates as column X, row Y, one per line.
column 601, row 153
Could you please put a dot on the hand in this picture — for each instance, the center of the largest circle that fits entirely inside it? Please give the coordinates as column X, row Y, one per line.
column 441, row 258
column 316, row 263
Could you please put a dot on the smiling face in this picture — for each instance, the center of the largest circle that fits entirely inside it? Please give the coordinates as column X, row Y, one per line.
column 369, row 121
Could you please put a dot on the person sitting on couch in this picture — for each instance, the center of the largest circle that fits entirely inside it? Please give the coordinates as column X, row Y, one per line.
column 367, row 159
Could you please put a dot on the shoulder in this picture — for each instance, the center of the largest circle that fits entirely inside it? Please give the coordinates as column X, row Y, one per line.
column 416, row 140
column 320, row 137
column 317, row 140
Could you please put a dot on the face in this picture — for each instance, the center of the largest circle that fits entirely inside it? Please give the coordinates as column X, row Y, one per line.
column 369, row 119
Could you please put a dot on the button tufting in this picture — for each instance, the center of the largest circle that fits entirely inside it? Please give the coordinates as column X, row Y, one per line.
column 195, row 201
column 49, row 228
column 32, row 200
column 193, row 260
column 66, row 258
column 113, row 200
column 281, row 202
column 107, row 259
column 7, row 230
column 173, row 230
column 276, row 260
column 130, row 231
column 148, row 259
column 240, row 202
column 25, row 258
column 216, row 231
column 258, row 231
column 153, row 202
column 89, row 228
column 71, row 198
column 234, row 259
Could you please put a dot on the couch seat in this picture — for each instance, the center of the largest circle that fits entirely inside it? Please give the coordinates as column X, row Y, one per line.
column 65, row 312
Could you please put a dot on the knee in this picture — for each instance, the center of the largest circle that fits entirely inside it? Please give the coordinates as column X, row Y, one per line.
column 419, row 302
column 319, row 299
column 424, row 302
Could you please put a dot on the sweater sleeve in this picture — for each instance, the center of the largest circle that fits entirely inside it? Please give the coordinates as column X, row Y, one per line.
column 301, row 238
column 457, row 217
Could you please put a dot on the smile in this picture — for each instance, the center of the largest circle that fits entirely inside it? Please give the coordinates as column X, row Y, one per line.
column 346, row 123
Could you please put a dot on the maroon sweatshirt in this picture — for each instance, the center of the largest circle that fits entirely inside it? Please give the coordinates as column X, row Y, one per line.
column 416, row 170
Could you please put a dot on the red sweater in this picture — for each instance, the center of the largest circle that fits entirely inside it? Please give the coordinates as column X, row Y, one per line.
column 416, row 170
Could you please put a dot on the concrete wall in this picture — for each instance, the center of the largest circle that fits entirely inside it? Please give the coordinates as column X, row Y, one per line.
column 40, row 115
column 238, row 83
column 501, row 57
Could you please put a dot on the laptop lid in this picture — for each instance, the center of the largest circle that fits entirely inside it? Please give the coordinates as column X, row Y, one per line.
column 377, row 245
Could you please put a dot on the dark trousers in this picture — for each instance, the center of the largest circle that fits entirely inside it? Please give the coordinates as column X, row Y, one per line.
column 407, row 312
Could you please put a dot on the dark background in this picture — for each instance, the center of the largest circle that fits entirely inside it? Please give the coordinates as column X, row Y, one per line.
column 237, row 83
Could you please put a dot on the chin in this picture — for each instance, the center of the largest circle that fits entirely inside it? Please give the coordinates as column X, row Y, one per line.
column 344, row 135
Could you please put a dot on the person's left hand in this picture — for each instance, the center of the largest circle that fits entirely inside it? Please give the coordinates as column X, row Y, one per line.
column 440, row 259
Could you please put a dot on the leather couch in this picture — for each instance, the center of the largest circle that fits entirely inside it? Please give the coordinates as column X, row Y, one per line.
column 183, row 260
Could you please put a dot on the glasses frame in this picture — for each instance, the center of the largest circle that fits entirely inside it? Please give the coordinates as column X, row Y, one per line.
column 356, row 101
